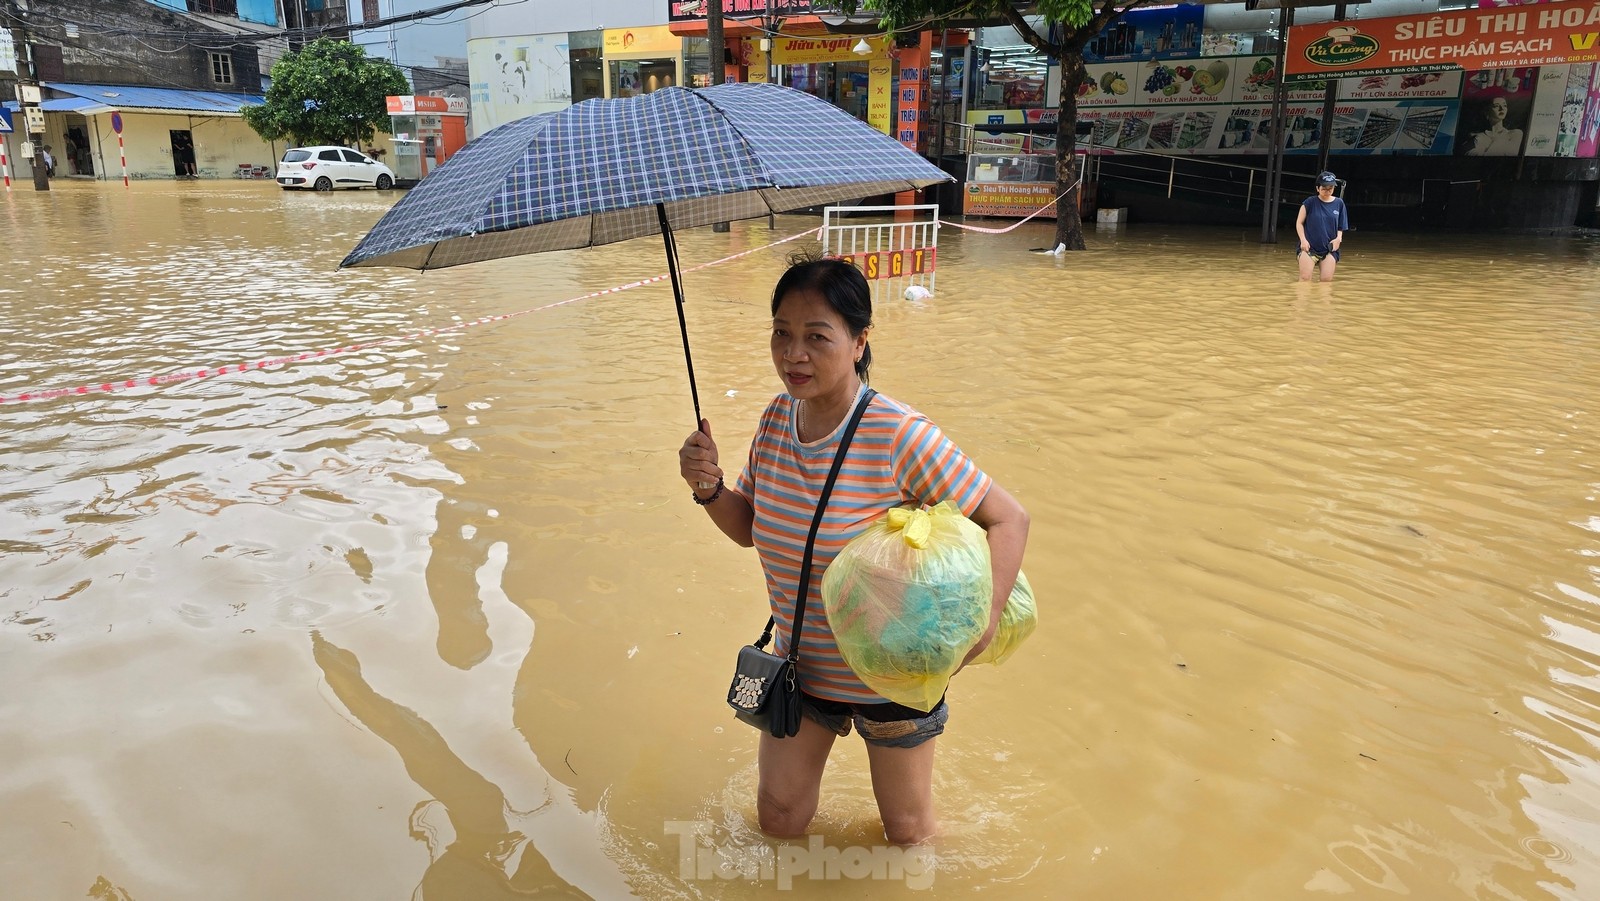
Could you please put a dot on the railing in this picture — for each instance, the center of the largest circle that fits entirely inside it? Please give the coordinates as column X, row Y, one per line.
column 892, row 255
column 1175, row 174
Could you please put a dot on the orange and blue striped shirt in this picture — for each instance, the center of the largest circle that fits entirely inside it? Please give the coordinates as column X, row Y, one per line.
column 897, row 457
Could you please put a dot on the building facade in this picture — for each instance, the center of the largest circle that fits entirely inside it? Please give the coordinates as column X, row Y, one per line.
column 174, row 81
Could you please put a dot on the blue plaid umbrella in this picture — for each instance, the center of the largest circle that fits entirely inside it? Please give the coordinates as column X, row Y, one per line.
column 609, row 170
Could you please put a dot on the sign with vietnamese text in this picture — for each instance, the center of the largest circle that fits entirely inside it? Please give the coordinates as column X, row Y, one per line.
column 8, row 51
column 1014, row 199
column 880, row 100
column 1471, row 39
column 824, row 48
column 641, row 43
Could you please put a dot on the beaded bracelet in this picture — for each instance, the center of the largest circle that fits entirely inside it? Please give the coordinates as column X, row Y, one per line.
column 714, row 495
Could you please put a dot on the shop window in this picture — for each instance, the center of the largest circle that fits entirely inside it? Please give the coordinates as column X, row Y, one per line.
column 222, row 68
column 588, row 68
column 214, row 7
column 635, row 77
column 1011, row 77
column 697, row 63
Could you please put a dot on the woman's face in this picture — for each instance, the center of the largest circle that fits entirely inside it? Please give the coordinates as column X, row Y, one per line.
column 812, row 347
column 1497, row 110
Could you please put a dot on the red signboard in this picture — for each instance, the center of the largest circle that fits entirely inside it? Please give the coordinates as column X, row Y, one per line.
column 1508, row 37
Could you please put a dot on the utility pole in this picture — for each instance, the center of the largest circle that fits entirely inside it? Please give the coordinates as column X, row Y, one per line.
column 1329, row 96
column 1280, row 96
column 717, row 48
column 28, row 94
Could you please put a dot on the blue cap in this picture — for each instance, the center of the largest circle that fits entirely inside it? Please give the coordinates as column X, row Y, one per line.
column 1326, row 178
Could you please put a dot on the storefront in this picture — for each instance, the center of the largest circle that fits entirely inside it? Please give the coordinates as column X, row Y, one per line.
column 639, row 61
column 427, row 131
column 853, row 73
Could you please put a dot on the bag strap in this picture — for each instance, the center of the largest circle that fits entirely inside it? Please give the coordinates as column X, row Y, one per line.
column 811, row 537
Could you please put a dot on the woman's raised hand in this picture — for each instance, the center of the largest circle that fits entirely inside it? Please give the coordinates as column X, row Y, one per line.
column 697, row 459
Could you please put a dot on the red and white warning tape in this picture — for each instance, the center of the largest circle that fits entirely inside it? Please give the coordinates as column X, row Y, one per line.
column 231, row 368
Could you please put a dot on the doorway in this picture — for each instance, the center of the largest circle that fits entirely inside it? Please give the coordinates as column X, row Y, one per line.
column 80, row 152
column 182, row 153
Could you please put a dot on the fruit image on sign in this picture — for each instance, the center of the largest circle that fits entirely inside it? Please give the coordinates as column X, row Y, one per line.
column 1211, row 80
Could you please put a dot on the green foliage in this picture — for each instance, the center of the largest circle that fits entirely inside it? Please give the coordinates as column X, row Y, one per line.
column 899, row 14
column 330, row 92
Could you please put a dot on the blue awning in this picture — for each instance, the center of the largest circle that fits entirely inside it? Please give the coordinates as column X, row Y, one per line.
column 130, row 98
column 78, row 105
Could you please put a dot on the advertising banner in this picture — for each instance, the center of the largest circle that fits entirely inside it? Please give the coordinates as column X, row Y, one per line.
column 1396, row 126
column 1496, row 105
column 1011, row 199
column 1544, row 122
column 646, row 42
column 995, row 141
column 1589, row 134
column 1241, row 79
column 880, row 100
column 1500, row 38
column 1169, row 32
column 826, row 49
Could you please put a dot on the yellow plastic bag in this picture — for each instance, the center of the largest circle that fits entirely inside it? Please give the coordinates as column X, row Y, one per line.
column 908, row 598
column 1017, row 621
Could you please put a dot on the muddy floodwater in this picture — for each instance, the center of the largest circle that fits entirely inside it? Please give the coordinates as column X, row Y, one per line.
column 1318, row 566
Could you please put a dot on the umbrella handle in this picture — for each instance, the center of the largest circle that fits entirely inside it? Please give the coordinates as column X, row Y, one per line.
column 683, row 325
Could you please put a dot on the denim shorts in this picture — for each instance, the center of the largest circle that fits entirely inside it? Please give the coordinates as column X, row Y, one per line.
column 885, row 725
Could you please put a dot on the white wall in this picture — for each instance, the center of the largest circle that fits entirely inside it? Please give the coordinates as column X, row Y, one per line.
column 221, row 144
column 517, row 75
column 552, row 18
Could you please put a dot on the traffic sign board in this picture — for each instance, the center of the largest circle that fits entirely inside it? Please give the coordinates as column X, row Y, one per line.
column 116, row 123
column 5, row 121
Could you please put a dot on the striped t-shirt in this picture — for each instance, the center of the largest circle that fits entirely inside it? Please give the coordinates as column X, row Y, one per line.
column 896, row 457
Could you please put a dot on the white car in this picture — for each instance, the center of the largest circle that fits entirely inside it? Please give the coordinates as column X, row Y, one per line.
column 326, row 168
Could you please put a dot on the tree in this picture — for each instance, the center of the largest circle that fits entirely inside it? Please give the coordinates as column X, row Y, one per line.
column 330, row 92
column 1080, row 21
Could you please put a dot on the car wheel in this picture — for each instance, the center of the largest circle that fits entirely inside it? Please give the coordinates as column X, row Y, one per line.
column 324, row 184
column 385, row 183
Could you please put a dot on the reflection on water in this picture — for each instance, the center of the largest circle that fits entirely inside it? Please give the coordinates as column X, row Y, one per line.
column 435, row 618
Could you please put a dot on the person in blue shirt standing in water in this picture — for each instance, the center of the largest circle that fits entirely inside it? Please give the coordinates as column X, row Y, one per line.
column 1321, row 225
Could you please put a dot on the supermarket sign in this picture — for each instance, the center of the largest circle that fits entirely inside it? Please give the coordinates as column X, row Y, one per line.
column 1543, row 34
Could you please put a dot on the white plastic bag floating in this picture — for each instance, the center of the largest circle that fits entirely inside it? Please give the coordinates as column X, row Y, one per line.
column 908, row 598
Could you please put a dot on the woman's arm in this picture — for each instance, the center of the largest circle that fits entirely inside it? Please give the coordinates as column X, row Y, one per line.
column 697, row 463
column 1300, row 228
column 1006, row 524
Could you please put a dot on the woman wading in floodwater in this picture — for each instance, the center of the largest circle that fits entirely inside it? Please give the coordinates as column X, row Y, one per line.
column 821, row 315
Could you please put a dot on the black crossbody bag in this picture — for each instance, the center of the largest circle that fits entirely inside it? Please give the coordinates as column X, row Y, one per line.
column 765, row 692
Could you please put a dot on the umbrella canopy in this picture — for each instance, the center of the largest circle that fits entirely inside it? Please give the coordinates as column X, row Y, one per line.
column 597, row 172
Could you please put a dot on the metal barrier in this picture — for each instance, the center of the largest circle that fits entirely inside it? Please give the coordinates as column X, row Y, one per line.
column 1212, row 179
column 894, row 256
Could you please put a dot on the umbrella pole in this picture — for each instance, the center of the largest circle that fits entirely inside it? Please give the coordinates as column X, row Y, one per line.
column 677, row 296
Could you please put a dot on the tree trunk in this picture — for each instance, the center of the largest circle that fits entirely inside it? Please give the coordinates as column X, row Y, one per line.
column 1069, row 223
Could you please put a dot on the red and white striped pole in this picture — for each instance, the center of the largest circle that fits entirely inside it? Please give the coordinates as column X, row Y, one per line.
column 5, row 166
column 116, row 126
